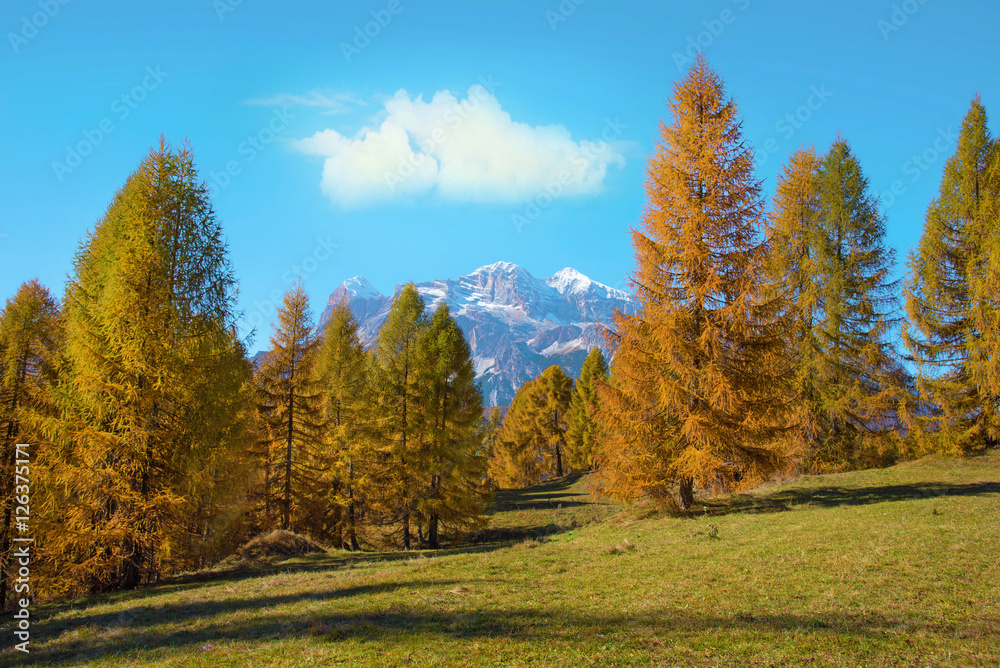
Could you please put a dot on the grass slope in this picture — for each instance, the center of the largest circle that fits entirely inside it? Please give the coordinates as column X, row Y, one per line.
column 894, row 567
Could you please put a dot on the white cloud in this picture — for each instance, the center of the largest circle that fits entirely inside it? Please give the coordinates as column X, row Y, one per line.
column 461, row 149
column 330, row 103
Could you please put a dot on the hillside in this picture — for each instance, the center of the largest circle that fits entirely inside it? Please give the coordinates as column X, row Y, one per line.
column 516, row 324
column 894, row 567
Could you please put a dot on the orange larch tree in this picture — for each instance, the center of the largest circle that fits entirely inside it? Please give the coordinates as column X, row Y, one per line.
column 700, row 385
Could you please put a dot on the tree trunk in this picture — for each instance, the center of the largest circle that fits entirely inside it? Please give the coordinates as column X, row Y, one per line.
column 131, row 570
column 286, row 519
column 351, row 531
column 406, row 529
column 686, row 493
column 5, row 544
column 432, row 532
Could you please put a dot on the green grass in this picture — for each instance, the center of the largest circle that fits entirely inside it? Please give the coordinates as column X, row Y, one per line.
column 894, row 567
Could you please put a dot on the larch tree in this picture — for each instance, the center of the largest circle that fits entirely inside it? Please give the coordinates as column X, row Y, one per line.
column 859, row 388
column 517, row 457
column 401, row 421
column 550, row 405
column 291, row 402
column 987, row 295
column 152, row 396
column 794, row 233
column 951, row 299
column 343, row 370
column 456, row 490
column 582, row 438
column 531, row 443
column 704, row 353
column 29, row 340
column 490, row 430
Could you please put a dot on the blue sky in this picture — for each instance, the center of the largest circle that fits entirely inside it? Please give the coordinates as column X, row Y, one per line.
column 452, row 134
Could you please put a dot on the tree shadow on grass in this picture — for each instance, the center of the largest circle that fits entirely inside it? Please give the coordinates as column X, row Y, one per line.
column 332, row 561
column 832, row 496
column 135, row 633
column 146, row 611
column 541, row 496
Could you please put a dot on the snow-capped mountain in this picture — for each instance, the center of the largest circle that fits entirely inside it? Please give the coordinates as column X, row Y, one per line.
column 516, row 324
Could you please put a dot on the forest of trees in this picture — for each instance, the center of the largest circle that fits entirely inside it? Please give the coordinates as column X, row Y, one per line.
column 766, row 336
column 158, row 447
column 770, row 337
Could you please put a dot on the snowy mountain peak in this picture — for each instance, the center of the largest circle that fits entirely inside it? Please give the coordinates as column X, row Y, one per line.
column 360, row 288
column 569, row 280
column 505, row 268
column 516, row 325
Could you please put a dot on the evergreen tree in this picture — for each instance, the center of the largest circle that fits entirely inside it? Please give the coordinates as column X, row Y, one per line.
column 343, row 368
column 152, row 399
column 582, row 437
column 400, row 420
column 859, row 389
column 29, row 339
column 704, row 352
column 456, row 490
column 951, row 297
column 291, row 399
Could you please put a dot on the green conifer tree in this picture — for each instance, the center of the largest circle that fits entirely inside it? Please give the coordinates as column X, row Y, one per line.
column 456, row 489
column 344, row 369
column 582, row 441
column 553, row 391
column 518, row 453
column 291, row 403
column 794, row 234
column 859, row 390
column 951, row 298
column 152, row 400
column 401, row 421
column 531, row 444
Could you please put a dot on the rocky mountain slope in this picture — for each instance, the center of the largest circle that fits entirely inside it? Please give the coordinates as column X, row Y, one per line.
column 516, row 324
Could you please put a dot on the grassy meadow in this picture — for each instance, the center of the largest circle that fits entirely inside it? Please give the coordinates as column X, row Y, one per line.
column 892, row 567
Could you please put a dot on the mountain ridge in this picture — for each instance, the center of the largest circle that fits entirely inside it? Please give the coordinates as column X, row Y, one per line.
column 516, row 324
